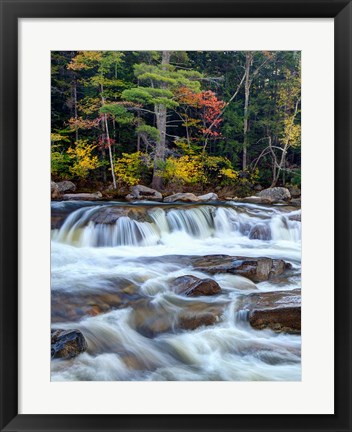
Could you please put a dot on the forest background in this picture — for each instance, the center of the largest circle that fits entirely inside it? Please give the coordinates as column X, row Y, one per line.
column 194, row 121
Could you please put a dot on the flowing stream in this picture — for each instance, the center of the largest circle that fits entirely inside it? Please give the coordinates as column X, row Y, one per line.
column 112, row 272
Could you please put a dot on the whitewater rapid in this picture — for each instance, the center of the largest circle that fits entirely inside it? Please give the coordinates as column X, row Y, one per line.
column 129, row 258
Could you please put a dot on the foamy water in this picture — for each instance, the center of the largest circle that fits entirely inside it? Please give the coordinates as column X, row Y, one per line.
column 138, row 259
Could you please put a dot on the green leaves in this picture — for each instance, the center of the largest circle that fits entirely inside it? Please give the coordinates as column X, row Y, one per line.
column 151, row 132
column 118, row 112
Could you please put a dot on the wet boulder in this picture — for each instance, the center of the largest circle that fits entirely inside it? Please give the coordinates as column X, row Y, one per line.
column 275, row 194
column 83, row 196
column 66, row 186
column 255, row 269
column 295, row 217
column 140, row 192
column 192, row 286
column 260, row 232
column 109, row 215
column 279, row 311
column 183, row 197
column 208, row 197
column 66, row 344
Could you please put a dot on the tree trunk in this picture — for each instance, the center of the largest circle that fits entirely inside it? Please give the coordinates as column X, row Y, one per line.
column 108, row 142
column 75, row 104
column 247, row 84
column 160, row 114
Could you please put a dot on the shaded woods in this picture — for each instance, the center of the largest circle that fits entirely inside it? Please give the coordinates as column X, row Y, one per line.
column 178, row 121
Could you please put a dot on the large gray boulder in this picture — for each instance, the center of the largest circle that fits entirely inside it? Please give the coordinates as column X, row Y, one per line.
column 66, row 186
column 208, row 197
column 183, row 197
column 140, row 192
column 276, row 194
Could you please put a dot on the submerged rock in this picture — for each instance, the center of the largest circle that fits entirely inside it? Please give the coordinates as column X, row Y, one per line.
column 66, row 186
column 295, row 217
column 83, row 196
column 279, row 311
column 194, row 321
column 275, row 194
column 184, row 197
column 192, row 286
column 66, row 344
column 260, row 232
column 109, row 215
column 140, row 192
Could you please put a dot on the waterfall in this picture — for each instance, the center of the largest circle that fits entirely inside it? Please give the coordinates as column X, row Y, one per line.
column 199, row 222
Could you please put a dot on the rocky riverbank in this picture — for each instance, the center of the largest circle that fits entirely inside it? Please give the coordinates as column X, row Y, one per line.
column 65, row 190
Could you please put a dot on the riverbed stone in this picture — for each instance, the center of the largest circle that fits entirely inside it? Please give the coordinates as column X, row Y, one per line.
column 183, row 197
column 140, row 192
column 187, row 321
column 275, row 194
column 66, row 344
column 255, row 269
column 279, row 311
column 192, row 286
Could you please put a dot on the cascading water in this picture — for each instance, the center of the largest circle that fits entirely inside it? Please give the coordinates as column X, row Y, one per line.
column 113, row 267
column 198, row 222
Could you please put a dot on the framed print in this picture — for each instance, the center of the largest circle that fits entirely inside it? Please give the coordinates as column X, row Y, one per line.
column 189, row 266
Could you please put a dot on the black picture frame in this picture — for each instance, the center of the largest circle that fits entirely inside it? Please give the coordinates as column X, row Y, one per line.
column 11, row 11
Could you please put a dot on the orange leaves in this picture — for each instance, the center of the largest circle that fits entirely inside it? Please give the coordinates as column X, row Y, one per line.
column 80, row 123
column 207, row 106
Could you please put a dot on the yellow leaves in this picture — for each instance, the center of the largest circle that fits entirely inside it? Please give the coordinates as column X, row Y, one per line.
column 228, row 173
column 55, row 137
column 85, row 60
column 83, row 159
column 185, row 170
column 129, row 168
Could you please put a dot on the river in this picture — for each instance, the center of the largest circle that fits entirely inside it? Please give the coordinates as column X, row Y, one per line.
column 113, row 280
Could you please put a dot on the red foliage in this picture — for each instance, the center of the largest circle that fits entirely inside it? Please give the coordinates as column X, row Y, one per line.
column 208, row 104
column 104, row 142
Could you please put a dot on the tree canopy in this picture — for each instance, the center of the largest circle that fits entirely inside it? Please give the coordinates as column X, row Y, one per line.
column 179, row 119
